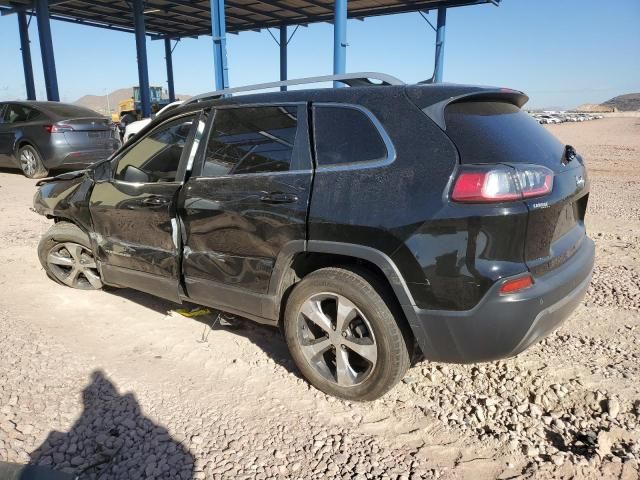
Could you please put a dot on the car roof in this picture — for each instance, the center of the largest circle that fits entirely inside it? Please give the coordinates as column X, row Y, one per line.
column 429, row 93
column 48, row 107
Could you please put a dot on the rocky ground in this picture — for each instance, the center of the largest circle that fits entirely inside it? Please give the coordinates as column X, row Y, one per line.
column 115, row 384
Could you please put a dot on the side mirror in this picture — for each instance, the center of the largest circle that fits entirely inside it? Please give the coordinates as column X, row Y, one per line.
column 135, row 175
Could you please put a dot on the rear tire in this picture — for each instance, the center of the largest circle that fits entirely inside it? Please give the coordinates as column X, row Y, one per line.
column 31, row 162
column 332, row 313
column 65, row 253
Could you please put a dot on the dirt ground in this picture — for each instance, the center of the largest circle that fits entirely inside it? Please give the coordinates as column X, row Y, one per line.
column 117, row 376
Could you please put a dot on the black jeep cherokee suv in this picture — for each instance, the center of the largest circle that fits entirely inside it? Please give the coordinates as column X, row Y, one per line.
column 365, row 222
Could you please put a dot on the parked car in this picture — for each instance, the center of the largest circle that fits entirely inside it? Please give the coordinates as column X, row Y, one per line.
column 367, row 223
column 41, row 136
column 132, row 129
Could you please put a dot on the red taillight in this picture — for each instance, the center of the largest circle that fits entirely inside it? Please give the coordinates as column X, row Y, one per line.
column 483, row 184
column 59, row 128
column 516, row 285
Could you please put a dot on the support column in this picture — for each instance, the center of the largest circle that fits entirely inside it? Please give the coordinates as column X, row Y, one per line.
column 219, row 44
column 46, row 48
column 440, row 38
column 141, row 49
column 339, row 39
column 25, row 47
column 168, row 55
column 283, row 56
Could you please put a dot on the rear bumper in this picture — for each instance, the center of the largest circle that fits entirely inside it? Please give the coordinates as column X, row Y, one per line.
column 73, row 158
column 501, row 326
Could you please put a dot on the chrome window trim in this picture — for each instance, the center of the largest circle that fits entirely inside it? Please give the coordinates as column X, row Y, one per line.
column 261, row 174
column 196, row 143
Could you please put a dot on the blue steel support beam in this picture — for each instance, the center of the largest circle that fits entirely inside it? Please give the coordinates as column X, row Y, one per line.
column 46, row 48
column 440, row 38
column 168, row 55
column 283, row 56
column 23, row 26
column 218, row 30
column 339, row 39
column 141, row 49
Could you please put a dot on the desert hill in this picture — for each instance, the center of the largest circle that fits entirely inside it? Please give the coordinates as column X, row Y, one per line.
column 625, row 103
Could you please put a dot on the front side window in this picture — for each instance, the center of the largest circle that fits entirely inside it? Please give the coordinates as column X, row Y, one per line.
column 251, row 140
column 346, row 135
column 156, row 157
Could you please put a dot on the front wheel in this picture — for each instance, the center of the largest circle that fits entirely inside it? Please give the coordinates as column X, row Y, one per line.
column 65, row 253
column 342, row 329
column 31, row 163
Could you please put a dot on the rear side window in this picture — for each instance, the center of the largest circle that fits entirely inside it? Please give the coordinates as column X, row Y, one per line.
column 251, row 140
column 493, row 132
column 346, row 135
column 19, row 113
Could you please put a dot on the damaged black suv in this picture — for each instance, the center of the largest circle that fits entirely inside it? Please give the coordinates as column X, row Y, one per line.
column 368, row 223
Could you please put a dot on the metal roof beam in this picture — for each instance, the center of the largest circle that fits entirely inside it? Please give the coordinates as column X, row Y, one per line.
column 17, row 8
column 189, row 18
column 248, row 8
column 288, row 8
column 150, row 22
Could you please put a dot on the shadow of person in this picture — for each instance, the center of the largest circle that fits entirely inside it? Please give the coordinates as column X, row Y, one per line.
column 112, row 439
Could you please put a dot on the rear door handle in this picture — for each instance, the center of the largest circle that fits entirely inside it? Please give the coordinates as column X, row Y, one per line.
column 278, row 197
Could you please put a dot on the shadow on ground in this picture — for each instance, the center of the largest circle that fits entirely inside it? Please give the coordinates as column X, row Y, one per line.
column 268, row 339
column 112, row 439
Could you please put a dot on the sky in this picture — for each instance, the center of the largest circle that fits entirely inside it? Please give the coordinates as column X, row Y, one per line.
column 562, row 53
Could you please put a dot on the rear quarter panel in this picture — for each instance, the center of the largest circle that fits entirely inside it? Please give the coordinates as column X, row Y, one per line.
column 448, row 254
column 383, row 206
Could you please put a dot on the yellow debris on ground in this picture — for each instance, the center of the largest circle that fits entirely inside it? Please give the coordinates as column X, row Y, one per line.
column 194, row 312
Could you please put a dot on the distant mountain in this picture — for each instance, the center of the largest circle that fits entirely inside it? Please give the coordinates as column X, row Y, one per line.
column 625, row 103
column 100, row 103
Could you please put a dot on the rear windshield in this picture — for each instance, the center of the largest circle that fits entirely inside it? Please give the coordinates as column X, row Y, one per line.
column 72, row 111
column 493, row 132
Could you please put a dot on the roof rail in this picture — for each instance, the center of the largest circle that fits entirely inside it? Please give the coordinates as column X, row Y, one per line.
column 360, row 79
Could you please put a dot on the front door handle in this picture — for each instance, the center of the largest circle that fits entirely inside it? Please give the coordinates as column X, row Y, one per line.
column 155, row 201
column 278, row 197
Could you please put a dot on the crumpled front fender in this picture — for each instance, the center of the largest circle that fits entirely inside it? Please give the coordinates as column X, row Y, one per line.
column 66, row 198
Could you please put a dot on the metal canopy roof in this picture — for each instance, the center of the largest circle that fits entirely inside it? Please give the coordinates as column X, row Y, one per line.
column 187, row 18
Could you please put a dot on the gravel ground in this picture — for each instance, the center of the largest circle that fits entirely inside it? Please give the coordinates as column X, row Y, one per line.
column 115, row 385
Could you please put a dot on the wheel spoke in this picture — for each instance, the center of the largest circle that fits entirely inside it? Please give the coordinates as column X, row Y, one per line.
column 89, row 262
column 344, row 373
column 57, row 259
column 315, row 348
column 74, row 250
column 311, row 310
column 363, row 347
column 93, row 278
column 72, row 278
column 346, row 312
